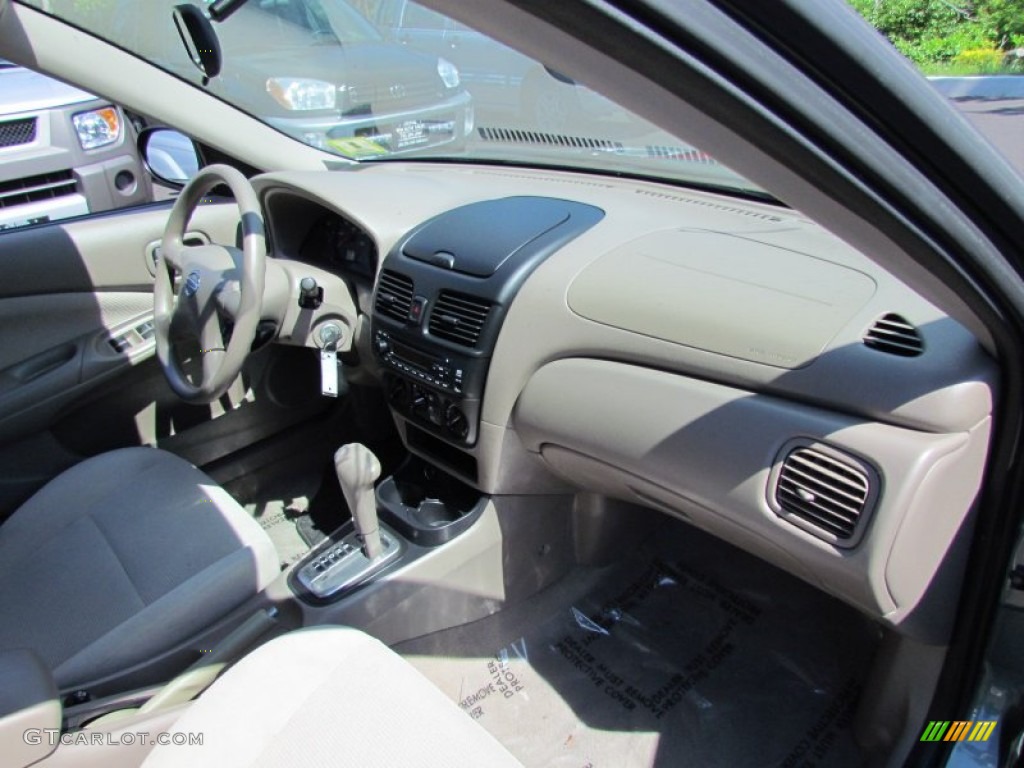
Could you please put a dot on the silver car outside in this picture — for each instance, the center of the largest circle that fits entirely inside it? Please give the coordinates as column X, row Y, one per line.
column 46, row 170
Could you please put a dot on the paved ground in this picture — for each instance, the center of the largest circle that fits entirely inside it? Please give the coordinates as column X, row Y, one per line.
column 1001, row 121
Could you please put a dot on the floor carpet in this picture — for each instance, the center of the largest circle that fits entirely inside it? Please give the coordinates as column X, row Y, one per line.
column 689, row 653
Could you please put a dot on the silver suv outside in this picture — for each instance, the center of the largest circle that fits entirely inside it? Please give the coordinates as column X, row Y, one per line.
column 63, row 152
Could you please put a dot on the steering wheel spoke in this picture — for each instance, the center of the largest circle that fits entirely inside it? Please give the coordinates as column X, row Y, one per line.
column 211, row 346
column 172, row 254
column 216, row 283
column 184, row 321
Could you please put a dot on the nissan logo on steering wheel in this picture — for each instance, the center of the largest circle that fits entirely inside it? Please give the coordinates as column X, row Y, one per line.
column 191, row 283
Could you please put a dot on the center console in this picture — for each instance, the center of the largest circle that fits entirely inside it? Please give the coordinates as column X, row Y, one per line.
column 441, row 297
column 440, row 301
column 420, row 507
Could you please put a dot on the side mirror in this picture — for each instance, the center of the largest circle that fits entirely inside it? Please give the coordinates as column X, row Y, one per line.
column 170, row 156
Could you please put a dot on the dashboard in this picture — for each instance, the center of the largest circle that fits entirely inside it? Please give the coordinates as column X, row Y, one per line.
column 335, row 243
column 729, row 363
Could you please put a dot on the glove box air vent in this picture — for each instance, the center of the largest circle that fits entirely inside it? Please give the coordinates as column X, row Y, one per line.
column 825, row 492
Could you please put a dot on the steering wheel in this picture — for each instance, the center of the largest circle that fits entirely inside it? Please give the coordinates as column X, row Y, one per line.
column 217, row 282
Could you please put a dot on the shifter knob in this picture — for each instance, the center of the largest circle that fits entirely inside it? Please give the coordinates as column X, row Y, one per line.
column 358, row 469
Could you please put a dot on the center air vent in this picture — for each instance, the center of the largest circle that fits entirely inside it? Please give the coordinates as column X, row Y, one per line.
column 894, row 335
column 824, row 494
column 459, row 318
column 394, row 295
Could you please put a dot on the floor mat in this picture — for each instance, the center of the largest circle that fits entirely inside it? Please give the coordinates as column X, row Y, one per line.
column 691, row 653
column 296, row 503
column 305, row 525
column 281, row 520
column 289, row 484
column 281, row 500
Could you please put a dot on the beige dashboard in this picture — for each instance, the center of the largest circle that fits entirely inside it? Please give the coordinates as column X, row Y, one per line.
column 706, row 356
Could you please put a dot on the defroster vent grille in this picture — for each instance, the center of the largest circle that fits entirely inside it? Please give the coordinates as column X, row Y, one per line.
column 894, row 335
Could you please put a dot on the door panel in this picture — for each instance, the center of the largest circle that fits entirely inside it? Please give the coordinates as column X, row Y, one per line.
column 46, row 361
column 99, row 253
column 78, row 373
column 68, row 290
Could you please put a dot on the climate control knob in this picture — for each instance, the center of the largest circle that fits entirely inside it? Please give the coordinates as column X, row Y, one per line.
column 420, row 398
column 382, row 345
column 455, row 422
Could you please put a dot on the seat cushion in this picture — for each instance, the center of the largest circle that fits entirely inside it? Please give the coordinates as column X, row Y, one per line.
column 122, row 557
column 327, row 696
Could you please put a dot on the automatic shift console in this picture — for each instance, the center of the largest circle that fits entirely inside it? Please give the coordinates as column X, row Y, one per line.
column 342, row 567
column 365, row 547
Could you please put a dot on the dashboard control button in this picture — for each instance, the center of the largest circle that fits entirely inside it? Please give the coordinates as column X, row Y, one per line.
column 419, row 399
column 417, row 309
column 434, row 409
column 455, row 422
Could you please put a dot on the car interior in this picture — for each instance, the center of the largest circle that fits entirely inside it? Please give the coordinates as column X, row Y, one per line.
column 427, row 462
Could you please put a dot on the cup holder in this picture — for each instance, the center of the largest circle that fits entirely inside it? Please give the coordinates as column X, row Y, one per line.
column 426, row 505
column 435, row 514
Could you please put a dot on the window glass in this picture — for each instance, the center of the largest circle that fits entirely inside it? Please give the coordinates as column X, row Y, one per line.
column 321, row 72
column 972, row 51
column 305, row 15
column 418, row 17
column 63, row 152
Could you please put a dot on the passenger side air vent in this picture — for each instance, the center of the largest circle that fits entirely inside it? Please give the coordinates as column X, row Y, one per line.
column 894, row 335
column 828, row 493
column 394, row 295
column 459, row 318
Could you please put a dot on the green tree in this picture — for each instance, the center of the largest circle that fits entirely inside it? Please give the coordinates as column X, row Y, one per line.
column 967, row 33
column 912, row 20
column 1003, row 21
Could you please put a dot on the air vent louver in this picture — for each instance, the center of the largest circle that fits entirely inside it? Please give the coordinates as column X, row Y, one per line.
column 830, row 494
column 894, row 335
column 459, row 318
column 394, row 295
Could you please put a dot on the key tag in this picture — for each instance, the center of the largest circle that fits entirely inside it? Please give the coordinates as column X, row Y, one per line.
column 330, row 335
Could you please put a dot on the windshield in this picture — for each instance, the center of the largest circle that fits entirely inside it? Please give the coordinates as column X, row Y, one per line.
column 385, row 79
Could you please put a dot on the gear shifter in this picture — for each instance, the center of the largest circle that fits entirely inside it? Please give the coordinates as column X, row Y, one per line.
column 357, row 470
column 353, row 555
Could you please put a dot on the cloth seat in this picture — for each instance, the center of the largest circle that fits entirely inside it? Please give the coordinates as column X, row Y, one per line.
column 122, row 557
column 326, row 696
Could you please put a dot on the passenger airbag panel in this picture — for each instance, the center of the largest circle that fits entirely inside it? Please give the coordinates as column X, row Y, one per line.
column 722, row 293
